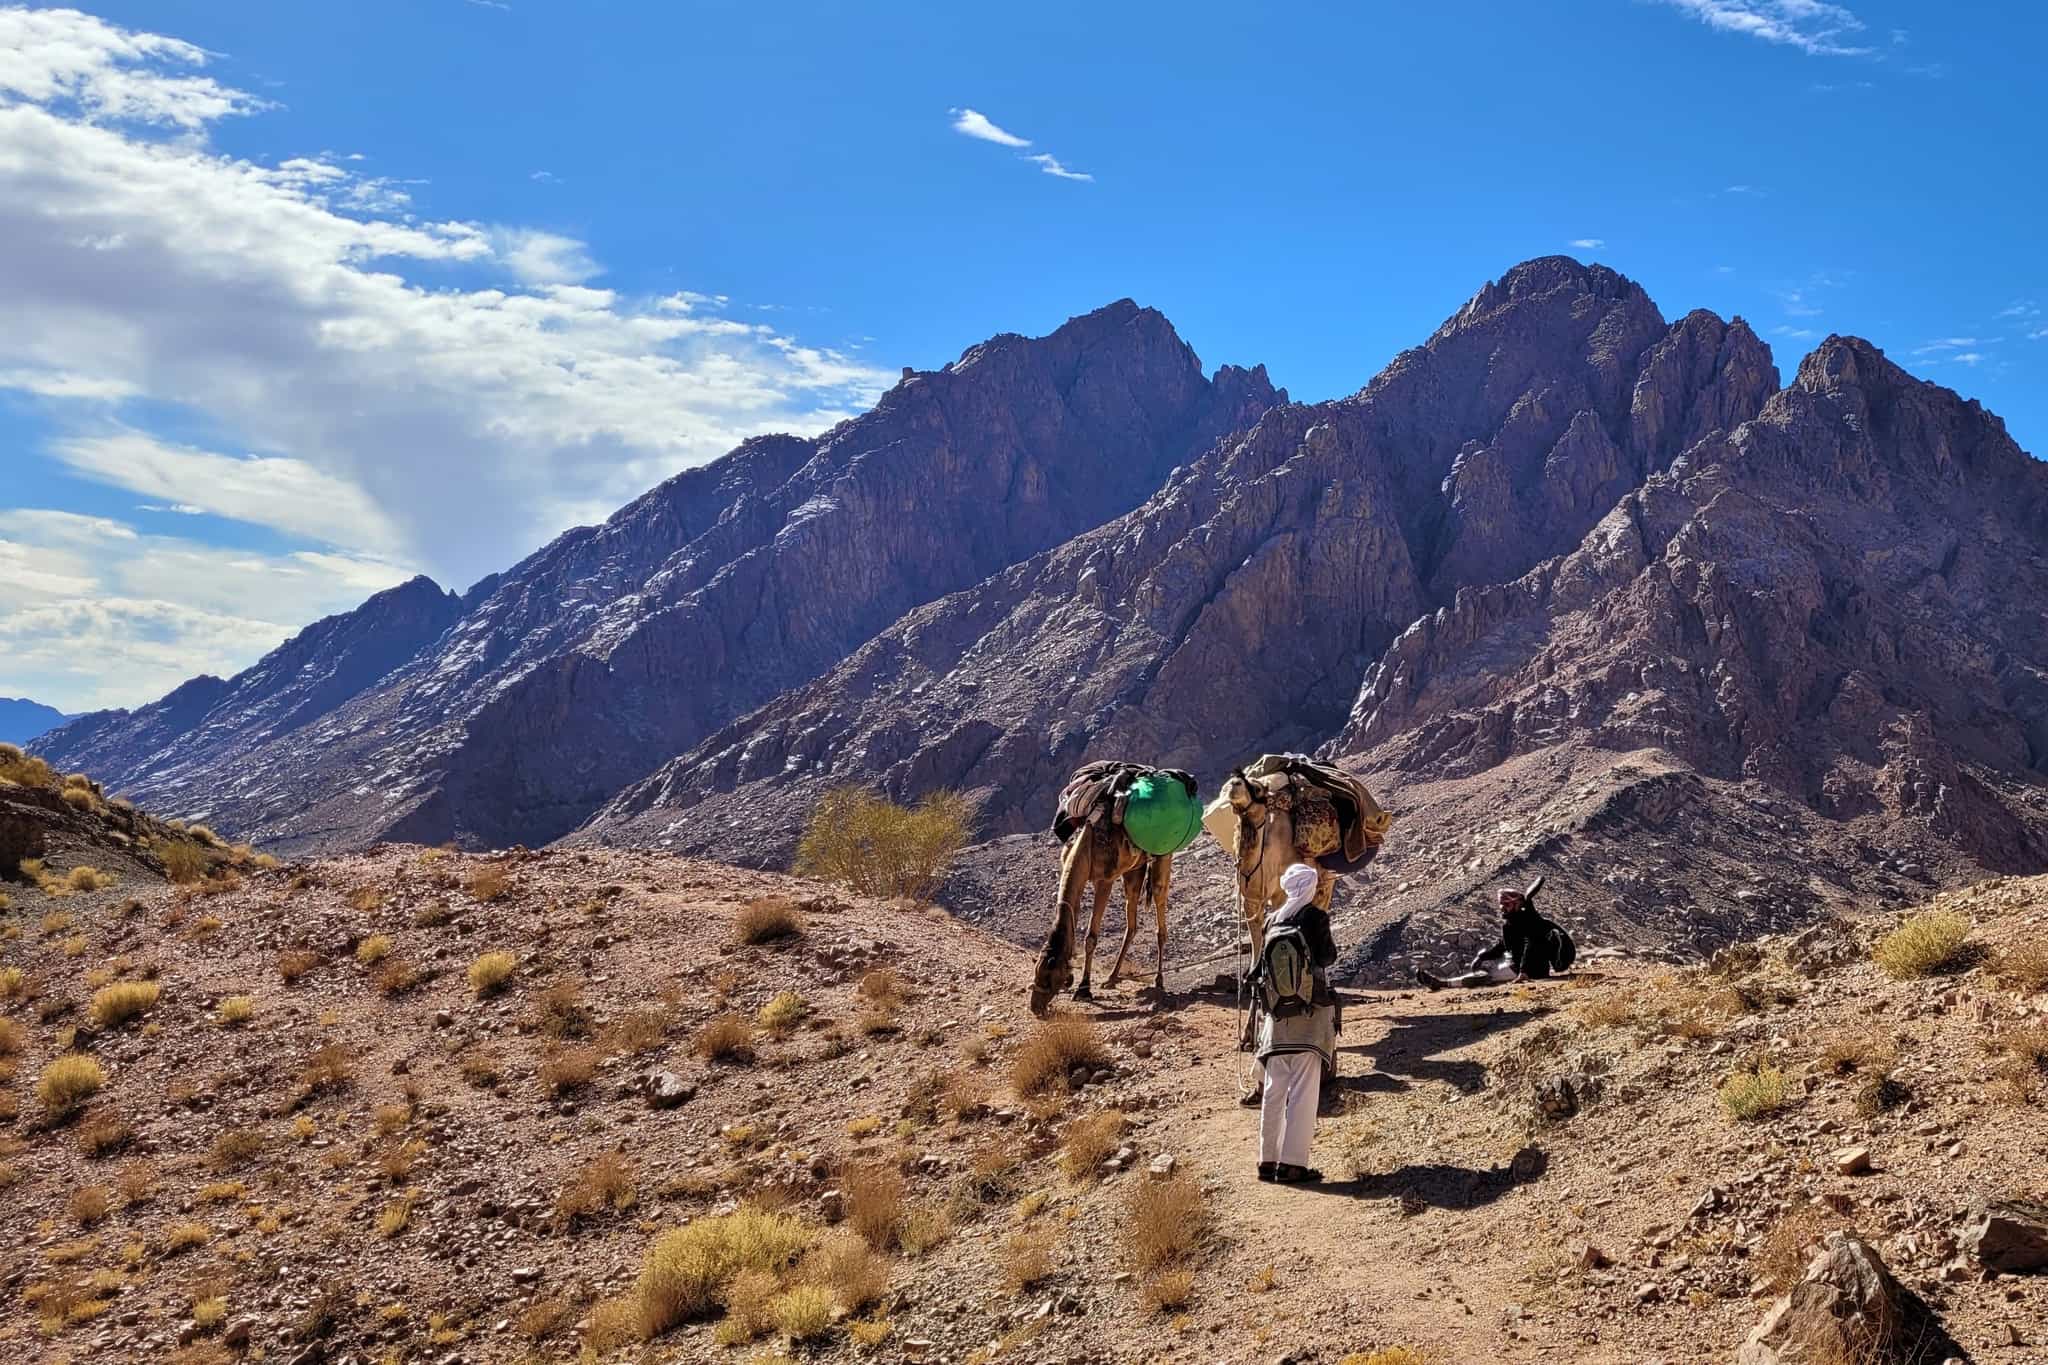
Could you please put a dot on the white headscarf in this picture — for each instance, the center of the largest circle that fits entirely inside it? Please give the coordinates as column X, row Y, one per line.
column 1299, row 882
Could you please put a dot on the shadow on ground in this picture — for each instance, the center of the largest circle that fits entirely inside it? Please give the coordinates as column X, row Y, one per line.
column 1411, row 1048
column 1440, row 1185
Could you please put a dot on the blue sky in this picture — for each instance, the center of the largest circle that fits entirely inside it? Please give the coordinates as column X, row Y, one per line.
column 307, row 298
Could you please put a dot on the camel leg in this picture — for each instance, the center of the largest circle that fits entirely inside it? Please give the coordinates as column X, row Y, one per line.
column 1134, row 894
column 1100, row 895
column 1056, row 962
column 1160, row 877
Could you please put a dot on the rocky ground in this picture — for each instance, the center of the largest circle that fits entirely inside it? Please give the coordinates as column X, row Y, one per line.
column 371, row 1159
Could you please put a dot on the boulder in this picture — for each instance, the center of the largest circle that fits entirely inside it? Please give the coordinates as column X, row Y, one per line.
column 2009, row 1235
column 1846, row 1306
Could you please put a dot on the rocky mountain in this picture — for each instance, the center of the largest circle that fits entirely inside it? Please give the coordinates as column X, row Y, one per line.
column 1578, row 590
column 514, row 712
column 22, row 720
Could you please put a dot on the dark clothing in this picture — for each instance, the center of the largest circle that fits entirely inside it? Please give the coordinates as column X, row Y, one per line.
column 1315, row 927
column 1316, row 1029
column 1528, row 941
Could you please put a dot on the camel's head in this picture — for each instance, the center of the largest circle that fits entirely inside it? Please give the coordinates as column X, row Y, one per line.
column 1055, row 969
column 1265, row 835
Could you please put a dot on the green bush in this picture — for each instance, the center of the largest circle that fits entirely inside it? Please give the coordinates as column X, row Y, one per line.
column 875, row 847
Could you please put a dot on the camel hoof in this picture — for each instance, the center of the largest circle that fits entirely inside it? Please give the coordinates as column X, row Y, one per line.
column 1081, row 992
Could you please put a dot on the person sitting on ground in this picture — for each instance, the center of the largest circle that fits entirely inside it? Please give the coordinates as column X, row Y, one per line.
column 1530, row 947
column 1297, row 1037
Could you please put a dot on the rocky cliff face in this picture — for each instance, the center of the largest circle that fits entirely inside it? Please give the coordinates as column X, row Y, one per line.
column 1238, row 608
column 575, row 672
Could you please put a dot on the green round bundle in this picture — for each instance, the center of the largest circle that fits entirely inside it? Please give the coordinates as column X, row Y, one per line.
column 1160, row 815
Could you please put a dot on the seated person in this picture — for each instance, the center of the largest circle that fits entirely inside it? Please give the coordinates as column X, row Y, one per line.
column 1530, row 947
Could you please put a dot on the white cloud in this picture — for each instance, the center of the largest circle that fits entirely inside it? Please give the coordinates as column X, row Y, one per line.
column 1798, row 303
column 393, row 365
column 1744, row 189
column 95, row 614
column 1724, row 270
column 1051, row 166
column 1588, row 243
column 1815, row 28
column 543, row 258
column 2022, row 308
column 973, row 123
column 1793, row 333
column 1941, row 345
column 183, row 509
column 2040, row 334
column 1968, row 358
column 545, row 177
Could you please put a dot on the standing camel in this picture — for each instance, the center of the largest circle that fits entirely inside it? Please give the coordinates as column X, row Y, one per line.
column 1268, row 840
column 1096, row 856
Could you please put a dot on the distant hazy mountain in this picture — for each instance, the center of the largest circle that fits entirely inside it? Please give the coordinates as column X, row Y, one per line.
column 22, row 720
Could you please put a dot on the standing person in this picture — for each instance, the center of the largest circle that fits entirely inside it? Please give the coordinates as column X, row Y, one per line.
column 1297, row 1037
column 1530, row 946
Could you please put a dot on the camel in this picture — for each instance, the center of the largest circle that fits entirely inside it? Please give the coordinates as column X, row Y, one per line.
column 1267, row 843
column 1095, row 856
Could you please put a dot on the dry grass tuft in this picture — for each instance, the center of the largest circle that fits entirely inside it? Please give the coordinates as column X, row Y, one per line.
column 768, row 920
column 395, row 1218
column 2024, row 966
column 294, row 963
column 568, row 1069
column 115, row 1005
column 1847, row 1053
column 546, row 1318
column 882, row 988
column 89, row 1205
column 12, row 1037
column 780, row 1016
column 1026, row 1259
column 234, row 1149
column 688, row 1269
column 1090, row 1141
column 488, row 883
column 727, row 1038
column 1748, row 1095
column 101, row 1133
column 877, row 848
column 1930, row 942
column 84, row 878
column 1165, row 1220
column 396, row 976
column 489, row 973
column 924, row 1227
column 1170, row 1290
column 803, row 1312
column 237, row 1010
column 605, row 1185
column 373, row 949
column 1055, row 1048
column 327, row 1070
column 185, row 862
column 874, row 1202
column 68, row 1082
column 561, row 1013
column 1787, row 1247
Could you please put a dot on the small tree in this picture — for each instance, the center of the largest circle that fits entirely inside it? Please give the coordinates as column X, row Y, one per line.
column 877, row 848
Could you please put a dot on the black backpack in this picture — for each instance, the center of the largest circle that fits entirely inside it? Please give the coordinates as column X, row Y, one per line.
column 1285, row 975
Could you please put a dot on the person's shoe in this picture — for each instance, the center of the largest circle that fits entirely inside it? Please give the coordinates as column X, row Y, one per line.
column 1252, row 1098
column 1297, row 1175
column 1269, row 1171
column 1433, row 982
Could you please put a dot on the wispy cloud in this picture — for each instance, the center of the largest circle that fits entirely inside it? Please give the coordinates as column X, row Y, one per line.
column 545, row 177
column 1798, row 303
column 1050, row 164
column 1815, row 28
column 1745, row 189
column 2038, row 334
column 2021, row 308
column 1793, row 333
column 1587, row 243
column 973, row 123
column 357, row 367
column 1933, row 71
column 490, row 4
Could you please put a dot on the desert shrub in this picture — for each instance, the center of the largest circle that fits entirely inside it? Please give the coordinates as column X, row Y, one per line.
column 481, row 1068
column 769, row 920
column 54, row 922
column 1849, row 1052
column 68, row 1082
column 877, row 848
column 924, row 1227
column 101, row 1133
column 1164, row 1220
column 89, row 1204
column 874, row 1202
column 1048, row 1057
column 396, row 976
column 184, row 861
column 1881, row 1094
column 237, row 1010
column 79, row 798
column 1088, row 1142
column 636, row 1032
column 688, row 1268
column 1170, row 1290
column 1754, row 1094
column 24, row 770
column 185, row 1236
column 389, row 1118
column 12, row 1036
column 846, row 1265
column 2024, row 966
column 489, row 883
column 782, row 1014
column 803, row 1311
column 294, row 963
column 561, row 1013
column 205, row 836
column 115, row 1005
column 749, row 1307
column 727, row 1038
column 568, row 1069
column 87, row 879
column 490, row 972
column 328, row 1069
column 1930, row 942
column 14, row 983
column 234, row 1149
column 432, row 915
column 1782, row 1257
column 395, row 1218
column 373, row 949
column 545, row 1318
column 1026, row 1259
column 396, row 1161
column 604, row 1185
column 137, row 1182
